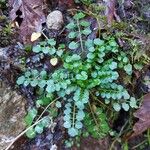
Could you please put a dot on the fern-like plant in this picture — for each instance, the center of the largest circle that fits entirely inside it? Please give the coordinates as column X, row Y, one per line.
column 80, row 77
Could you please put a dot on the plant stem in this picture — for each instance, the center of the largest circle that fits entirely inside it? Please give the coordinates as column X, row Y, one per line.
column 47, row 108
column 93, row 115
column 44, row 34
column 74, row 111
column 80, row 36
column 95, row 98
column 135, row 147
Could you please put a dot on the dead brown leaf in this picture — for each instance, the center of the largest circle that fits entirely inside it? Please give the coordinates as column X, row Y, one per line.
column 31, row 15
column 143, row 114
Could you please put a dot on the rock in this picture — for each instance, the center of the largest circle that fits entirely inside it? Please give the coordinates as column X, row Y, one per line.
column 55, row 20
column 12, row 112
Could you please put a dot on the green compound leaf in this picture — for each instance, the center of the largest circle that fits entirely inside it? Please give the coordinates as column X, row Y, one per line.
column 125, row 94
column 32, row 113
column 86, row 31
column 71, row 25
column 91, row 49
column 58, row 104
column 43, row 101
column 42, row 84
column 34, row 83
column 34, row 72
column 89, row 43
column 133, row 102
column 98, row 129
column 46, row 121
column 72, row 132
column 113, row 43
column 79, row 16
column 72, row 35
column 67, row 124
column 27, row 74
column 113, row 65
column 125, row 106
column 43, row 74
column 80, row 115
column 37, row 49
column 98, row 41
column 116, row 107
column 52, row 51
column 75, row 57
column 21, row 80
column 73, row 45
column 26, row 82
column 38, row 128
column 49, row 89
column 90, row 56
column 31, row 133
column 45, row 50
column 125, row 60
column 59, row 53
column 84, row 23
column 78, row 125
column 67, row 111
column 98, row 73
column 51, row 42
column 128, row 69
column 138, row 66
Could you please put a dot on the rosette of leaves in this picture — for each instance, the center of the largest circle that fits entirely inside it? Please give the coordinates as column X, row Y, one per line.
column 49, row 48
column 97, row 73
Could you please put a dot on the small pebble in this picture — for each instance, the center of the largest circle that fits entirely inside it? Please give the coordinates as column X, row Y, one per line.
column 55, row 20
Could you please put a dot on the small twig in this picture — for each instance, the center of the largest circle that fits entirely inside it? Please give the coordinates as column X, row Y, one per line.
column 47, row 108
column 99, row 101
column 74, row 111
column 61, row 31
column 93, row 115
column 44, row 34
column 135, row 147
column 22, row 133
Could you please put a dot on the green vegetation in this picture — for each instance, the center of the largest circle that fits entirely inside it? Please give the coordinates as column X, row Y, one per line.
column 85, row 2
column 89, row 81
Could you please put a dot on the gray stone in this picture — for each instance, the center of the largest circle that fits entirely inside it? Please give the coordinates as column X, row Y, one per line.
column 55, row 20
column 12, row 112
